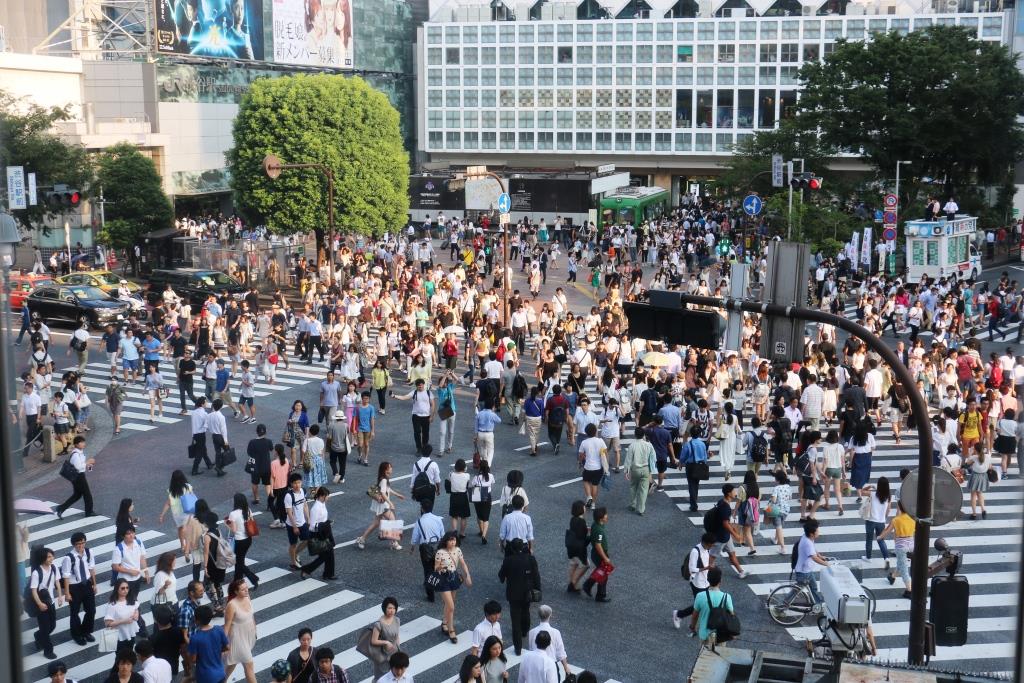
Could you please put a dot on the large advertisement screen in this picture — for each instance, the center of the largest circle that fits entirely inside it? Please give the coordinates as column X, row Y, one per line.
column 231, row 29
column 430, row 194
column 313, row 32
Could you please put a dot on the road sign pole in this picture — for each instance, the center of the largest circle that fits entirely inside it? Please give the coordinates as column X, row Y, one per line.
column 789, row 220
column 919, row 410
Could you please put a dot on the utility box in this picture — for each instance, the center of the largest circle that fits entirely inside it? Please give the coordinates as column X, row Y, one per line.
column 49, row 449
column 845, row 600
column 782, row 338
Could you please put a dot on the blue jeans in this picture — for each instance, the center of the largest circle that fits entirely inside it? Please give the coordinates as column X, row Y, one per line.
column 808, row 579
column 871, row 530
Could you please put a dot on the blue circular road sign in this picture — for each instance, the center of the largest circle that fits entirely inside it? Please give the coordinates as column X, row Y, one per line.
column 752, row 204
column 504, row 203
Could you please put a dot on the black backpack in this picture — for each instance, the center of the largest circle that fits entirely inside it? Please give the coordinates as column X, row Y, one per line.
column 519, row 387
column 794, row 554
column 759, row 448
column 557, row 415
column 422, row 489
column 712, row 523
column 686, row 563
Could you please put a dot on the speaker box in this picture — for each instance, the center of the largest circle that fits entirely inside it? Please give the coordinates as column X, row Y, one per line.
column 950, row 596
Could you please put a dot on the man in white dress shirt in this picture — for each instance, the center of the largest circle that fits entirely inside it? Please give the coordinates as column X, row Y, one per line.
column 556, row 651
column 153, row 669
column 217, row 427
column 537, row 666
column 197, row 450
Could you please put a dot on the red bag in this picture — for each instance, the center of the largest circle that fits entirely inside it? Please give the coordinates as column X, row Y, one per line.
column 602, row 572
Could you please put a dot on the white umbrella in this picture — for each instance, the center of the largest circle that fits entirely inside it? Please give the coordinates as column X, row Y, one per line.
column 32, row 505
column 453, row 329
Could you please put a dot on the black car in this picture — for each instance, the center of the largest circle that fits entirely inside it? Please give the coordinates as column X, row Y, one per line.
column 73, row 302
column 193, row 284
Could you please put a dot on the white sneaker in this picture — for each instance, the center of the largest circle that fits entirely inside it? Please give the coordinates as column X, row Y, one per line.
column 676, row 621
column 743, row 574
column 337, row 478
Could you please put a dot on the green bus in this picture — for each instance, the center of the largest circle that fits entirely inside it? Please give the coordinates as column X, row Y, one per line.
column 632, row 205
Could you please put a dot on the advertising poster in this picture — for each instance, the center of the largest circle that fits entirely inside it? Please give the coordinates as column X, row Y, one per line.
column 230, row 29
column 16, row 187
column 865, row 249
column 313, row 32
column 430, row 194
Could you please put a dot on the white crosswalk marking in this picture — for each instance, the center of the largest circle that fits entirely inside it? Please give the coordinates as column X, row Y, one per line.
column 283, row 603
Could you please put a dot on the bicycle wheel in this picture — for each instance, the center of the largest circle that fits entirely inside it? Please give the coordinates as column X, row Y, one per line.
column 788, row 604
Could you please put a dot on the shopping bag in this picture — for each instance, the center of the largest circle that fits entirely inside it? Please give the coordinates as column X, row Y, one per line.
column 391, row 529
column 602, row 572
column 108, row 640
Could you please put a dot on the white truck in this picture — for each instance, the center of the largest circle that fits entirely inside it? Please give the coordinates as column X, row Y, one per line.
column 941, row 248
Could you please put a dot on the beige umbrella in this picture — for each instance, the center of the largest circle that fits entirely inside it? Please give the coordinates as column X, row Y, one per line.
column 656, row 359
column 453, row 329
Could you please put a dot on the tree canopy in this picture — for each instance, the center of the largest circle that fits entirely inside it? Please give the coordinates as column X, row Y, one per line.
column 334, row 120
column 135, row 199
column 940, row 98
column 26, row 139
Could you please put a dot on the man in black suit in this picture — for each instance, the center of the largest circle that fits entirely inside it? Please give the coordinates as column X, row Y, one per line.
column 521, row 576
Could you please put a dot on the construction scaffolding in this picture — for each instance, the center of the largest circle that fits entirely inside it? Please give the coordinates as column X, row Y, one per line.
column 102, row 29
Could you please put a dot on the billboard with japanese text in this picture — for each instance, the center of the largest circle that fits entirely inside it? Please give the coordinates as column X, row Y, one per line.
column 313, row 33
column 229, row 29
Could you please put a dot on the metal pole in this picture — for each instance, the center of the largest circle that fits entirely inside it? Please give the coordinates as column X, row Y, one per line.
column 506, row 277
column 801, row 216
column 789, row 221
column 918, row 408
column 330, row 221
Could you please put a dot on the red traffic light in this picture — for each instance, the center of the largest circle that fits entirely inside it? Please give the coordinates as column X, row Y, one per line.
column 74, row 198
column 814, row 183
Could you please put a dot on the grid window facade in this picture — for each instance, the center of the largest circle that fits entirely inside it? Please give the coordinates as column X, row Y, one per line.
column 658, row 86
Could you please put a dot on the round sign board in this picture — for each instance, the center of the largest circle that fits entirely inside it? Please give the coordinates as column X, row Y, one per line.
column 890, row 200
column 947, row 496
column 272, row 166
column 889, row 234
column 889, row 217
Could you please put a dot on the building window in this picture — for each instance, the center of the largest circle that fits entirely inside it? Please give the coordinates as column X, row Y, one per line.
column 663, row 98
column 790, row 52
column 545, row 119
column 727, row 54
column 604, row 54
column 604, row 75
column 584, row 54
column 545, row 33
column 703, row 143
column 525, row 33
column 811, row 52
column 433, row 77
column 451, row 76
column 434, row 119
column 705, row 54
column 790, row 29
column 434, row 56
column 623, row 75
column 451, row 55
column 684, row 75
column 663, row 75
column 584, row 119
column 507, row 98
column 624, row 33
column 488, row 119
column 604, row 32
column 470, row 77
column 768, row 53
column 623, row 142
column 507, row 34
column 748, row 30
column 745, row 109
column 828, row 49
column 663, row 142
column 727, row 30
column 684, row 53
column 684, row 30
column 526, row 55
column 545, row 55
column 526, row 98
column 545, row 77
column 705, row 31
column 769, row 30
column 565, row 141
column 507, row 77
column 488, row 140
column 644, row 32
column 545, row 98
column 507, row 140
column 723, row 142
column 789, row 75
column 684, row 142
column 664, row 54
column 565, row 76
column 604, row 120
column 854, row 29
column 468, row 34
column 663, row 120
column 623, row 119
column 643, row 75
column 525, row 119
column 748, row 51
column 564, row 98
column 624, row 54
column 545, row 140
column 453, row 98
column 470, row 55
column 508, row 119
column 705, row 75
column 643, row 119
column 508, row 55
column 705, row 108
column 434, row 98
column 812, row 30
column 583, row 140
column 488, row 56
column 435, row 139
column 623, row 98
column 766, row 109
column 684, row 108
column 643, row 98
column 434, row 35
column 565, row 54
column 488, row 77
column 584, row 98
column 488, row 98
column 726, row 76
column 746, row 75
column 470, row 140
column 526, row 141
column 469, row 118
column 451, row 119
column 525, row 77
column 603, row 141
column 584, row 33
column 565, row 33
column 724, row 118
column 488, row 34
column 584, row 76
column 665, row 32
column 991, row 27
column 787, row 104
column 452, row 140
column 644, row 54
column 766, row 75
column 470, row 98
column 643, row 142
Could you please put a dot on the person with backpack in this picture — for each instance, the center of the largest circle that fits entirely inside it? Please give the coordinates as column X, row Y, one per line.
column 748, row 510
column 78, row 570
column 556, row 412
column 778, row 507
column 755, row 445
column 217, row 558
column 711, row 600
column 695, row 569
column 426, row 534
column 42, row 598
column 426, row 478
column 694, row 458
column 534, row 409
column 514, row 389
column 782, row 436
column 718, row 521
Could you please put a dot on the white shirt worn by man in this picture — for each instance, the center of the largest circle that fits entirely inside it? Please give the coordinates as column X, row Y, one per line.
column 156, row 670
column 537, row 667
column 556, row 650
column 483, row 631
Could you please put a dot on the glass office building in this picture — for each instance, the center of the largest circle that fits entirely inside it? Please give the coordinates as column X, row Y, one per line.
column 648, row 91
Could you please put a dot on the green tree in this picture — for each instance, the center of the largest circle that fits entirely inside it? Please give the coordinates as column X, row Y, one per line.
column 748, row 169
column 338, row 121
column 26, row 139
column 136, row 203
column 940, row 98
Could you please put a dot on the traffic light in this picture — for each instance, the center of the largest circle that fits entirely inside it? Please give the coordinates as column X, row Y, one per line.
column 63, row 197
column 805, row 181
column 678, row 325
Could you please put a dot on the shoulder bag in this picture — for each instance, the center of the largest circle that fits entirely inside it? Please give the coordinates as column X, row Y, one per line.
column 724, row 623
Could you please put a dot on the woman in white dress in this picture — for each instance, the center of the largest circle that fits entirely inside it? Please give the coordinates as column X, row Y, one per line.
column 381, row 504
column 727, row 432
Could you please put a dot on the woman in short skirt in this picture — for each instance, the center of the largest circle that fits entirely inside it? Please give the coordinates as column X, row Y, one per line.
column 1006, row 439
column 458, row 501
column 978, row 465
column 447, row 561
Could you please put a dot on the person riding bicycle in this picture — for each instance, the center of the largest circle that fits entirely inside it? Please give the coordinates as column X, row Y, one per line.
column 806, row 557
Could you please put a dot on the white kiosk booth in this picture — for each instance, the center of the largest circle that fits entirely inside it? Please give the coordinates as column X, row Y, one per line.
column 942, row 248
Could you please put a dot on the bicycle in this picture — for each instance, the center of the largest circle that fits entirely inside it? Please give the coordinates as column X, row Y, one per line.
column 791, row 602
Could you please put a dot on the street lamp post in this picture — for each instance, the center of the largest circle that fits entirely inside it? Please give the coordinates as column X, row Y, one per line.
column 272, row 166
column 475, row 172
column 892, row 243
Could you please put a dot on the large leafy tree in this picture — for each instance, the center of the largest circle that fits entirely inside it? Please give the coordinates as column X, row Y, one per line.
column 940, row 98
column 135, row 200
column 748, row 169
column 338, row 121
column 27, row 139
